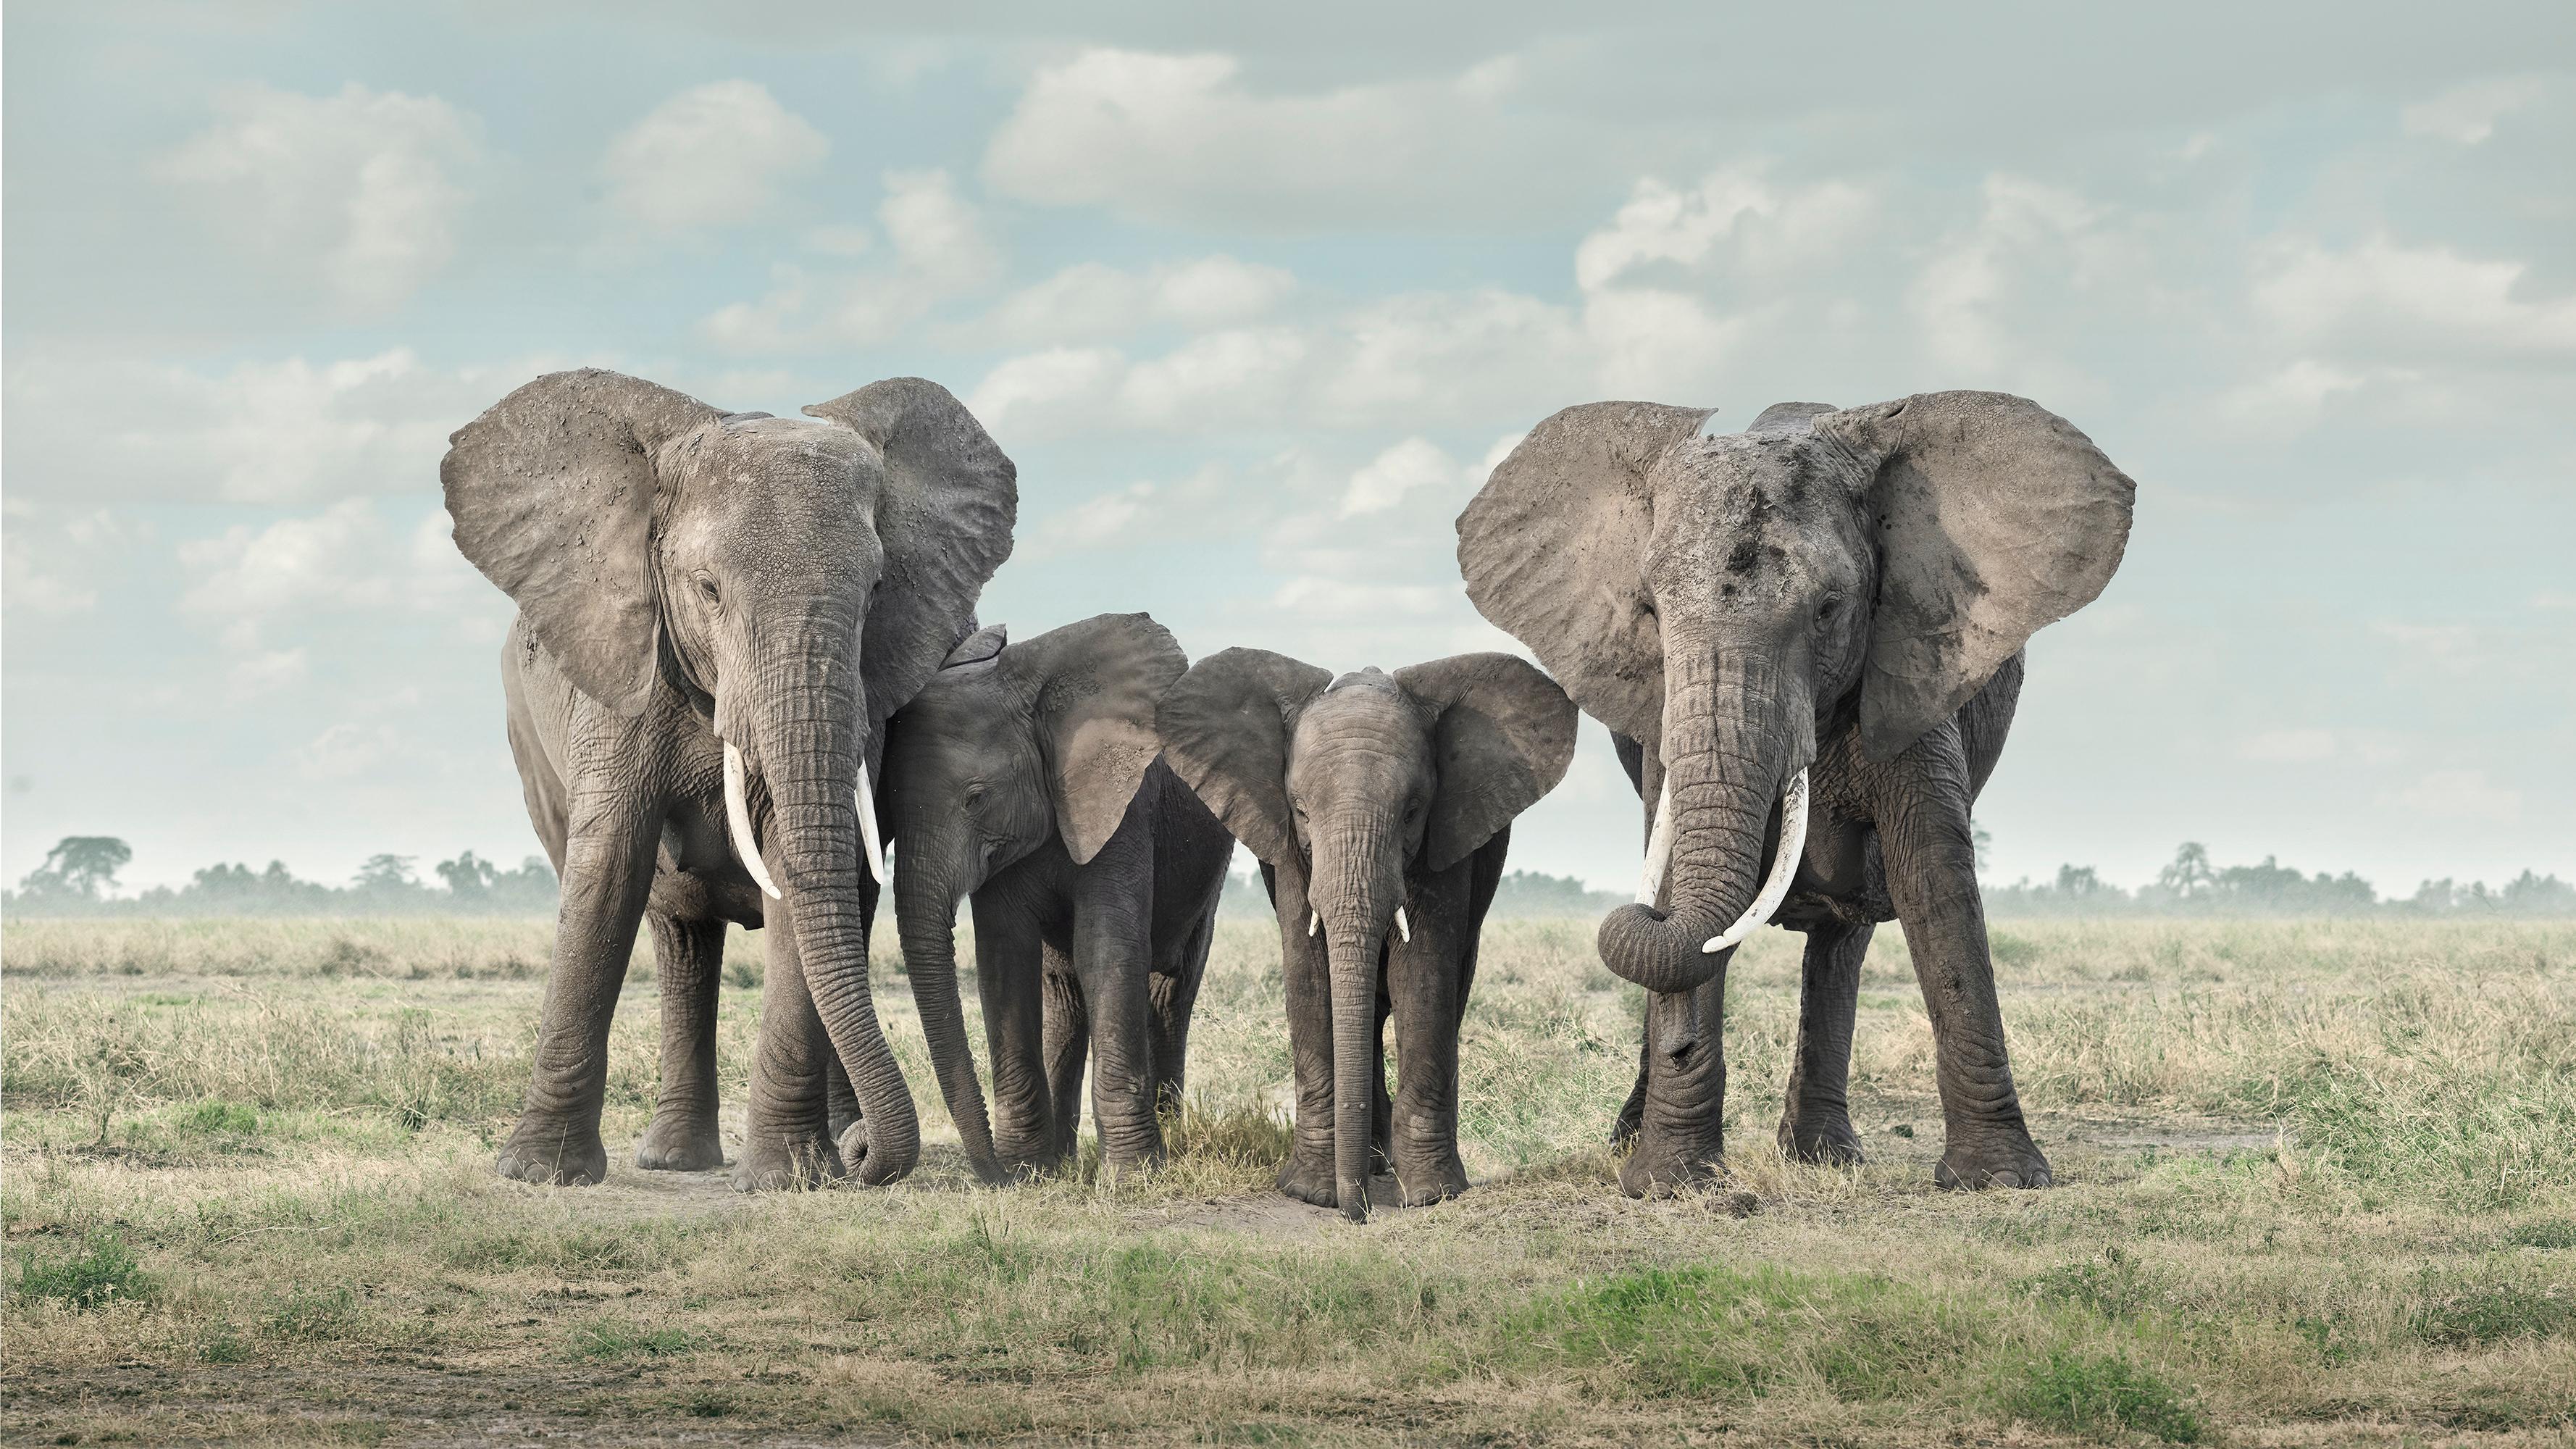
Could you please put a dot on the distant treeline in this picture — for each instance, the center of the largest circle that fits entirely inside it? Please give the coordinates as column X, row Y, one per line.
column 78, row 878
column 2192, row 886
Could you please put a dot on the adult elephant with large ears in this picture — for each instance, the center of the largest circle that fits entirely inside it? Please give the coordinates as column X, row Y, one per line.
column 717, row 612
column 1807, row 638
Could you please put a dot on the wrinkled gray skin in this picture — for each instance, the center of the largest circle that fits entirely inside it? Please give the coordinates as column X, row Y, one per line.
column 1361, row 795
column 1843, row 589
column 687, row 578
column 1024, row 775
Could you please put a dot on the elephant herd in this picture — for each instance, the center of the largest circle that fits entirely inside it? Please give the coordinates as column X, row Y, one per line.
column 746, row 669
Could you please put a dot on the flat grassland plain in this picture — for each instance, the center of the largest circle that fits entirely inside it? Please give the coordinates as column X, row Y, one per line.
column 2316, row 1185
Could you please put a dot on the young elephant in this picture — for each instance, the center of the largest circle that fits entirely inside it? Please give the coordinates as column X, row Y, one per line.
column 1380, row 806
column 1025, row 776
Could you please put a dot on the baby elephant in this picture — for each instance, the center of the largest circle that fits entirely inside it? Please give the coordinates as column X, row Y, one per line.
column 1025, row 776
column 1381, row 807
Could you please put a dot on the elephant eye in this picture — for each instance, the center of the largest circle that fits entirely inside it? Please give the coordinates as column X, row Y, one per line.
column 707, row 586
column 1826, row 607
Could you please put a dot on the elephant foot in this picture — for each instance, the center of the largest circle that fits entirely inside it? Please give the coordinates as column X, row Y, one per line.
column 777, row 1164
column 680, row 1142
column 1127, row 1166
column 1309, row 1178
column 2000, row 1157
column 553, row 1153
column 1824, row 1137
column 1654, row 1172
column 1435, row 1180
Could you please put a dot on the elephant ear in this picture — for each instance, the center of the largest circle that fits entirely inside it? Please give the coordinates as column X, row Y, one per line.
column 944, row 512
column 1554, row 547
column 1093, row 688
column 552, row 493
column 1995, row 517
column 1225, row 730
column 1501, row 736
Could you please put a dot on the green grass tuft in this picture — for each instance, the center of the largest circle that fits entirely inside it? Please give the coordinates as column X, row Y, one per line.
column 102, row 1271
column 2101, row 1395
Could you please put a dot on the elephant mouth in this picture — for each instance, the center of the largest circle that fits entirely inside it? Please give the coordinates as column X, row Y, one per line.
column 1788, row 827
column 746, row 843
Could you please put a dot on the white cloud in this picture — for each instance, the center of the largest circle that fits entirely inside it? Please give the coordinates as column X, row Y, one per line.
column 1090, row 300
column 263, row 432
column 1735, row 211
column 348, row 751
column 941, row 249
column 246, row 581
column 2412, row 303
column 1414, row 466
column 2459, row 795
column 263, row 673
column 365, row 188
column 1184, row 138
column 711, row 156
column 2468, row 114
column 1350, row 600
column 1410, row 361
column 1995, row 299
column 50, row 562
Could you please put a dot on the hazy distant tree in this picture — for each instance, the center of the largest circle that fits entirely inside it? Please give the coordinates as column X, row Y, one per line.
column 2189, row 877
column 1984, row 840
column 2076, row 882
column 81, row 866
column 386, row 873
column 469, row 877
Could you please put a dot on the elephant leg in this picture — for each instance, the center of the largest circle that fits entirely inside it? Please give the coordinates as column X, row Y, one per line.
column 787, row 1138
column 1009, row 976
column 1632, row 1113
column 1067, row 1053
column 608, row 875
column 689, row 961
column 1308, row 1174
column 840, row 1100
column 1815, row 1125
column 1112, row 957
column 1174, row 996
column 1681, row 1123
column 1923, row 827
column 1424, row 979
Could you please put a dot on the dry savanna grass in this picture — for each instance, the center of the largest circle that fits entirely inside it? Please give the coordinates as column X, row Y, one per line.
column 2317, row 1185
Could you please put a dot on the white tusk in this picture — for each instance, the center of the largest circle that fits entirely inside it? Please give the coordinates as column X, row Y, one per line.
column 1793, row 840
column 738, row 820
column 868, row 841
column 1659, row 848
column 1403, row 925
column 1313, row 921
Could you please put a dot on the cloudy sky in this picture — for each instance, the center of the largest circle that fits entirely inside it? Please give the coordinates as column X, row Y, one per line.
column 1255, row 296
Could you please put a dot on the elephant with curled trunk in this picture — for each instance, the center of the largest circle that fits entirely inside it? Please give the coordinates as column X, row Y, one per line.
column 1380, row 806
column 1025, row 776
column 1806, row 639
column 717, row 612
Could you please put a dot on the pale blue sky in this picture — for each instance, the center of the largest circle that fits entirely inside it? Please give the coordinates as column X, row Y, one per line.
column 1253, row 300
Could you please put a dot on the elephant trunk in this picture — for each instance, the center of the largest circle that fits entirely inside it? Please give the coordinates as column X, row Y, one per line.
column 1732, row 725
column 925, row 908
column 810, row 743
column 1358, row 890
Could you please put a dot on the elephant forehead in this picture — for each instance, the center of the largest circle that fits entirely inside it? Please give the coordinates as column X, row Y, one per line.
column 1362, row 712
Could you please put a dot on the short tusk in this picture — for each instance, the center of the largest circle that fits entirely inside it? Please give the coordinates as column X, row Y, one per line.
column 1402, row 926
column 868, row 827
column 1784, row 866
column 738, row 820
column 1314, row 922
column 1659, row 848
